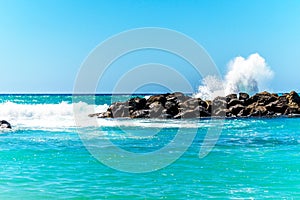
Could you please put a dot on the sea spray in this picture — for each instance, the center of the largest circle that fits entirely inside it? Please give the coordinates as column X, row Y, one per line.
column 211, row 87
column 248, row 75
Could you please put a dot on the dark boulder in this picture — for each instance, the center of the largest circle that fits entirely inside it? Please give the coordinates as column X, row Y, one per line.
column 5, row 124
column 243, row 96
column 258, row 111
column 293, row 103
column 203, row 112
column 230, row 97
column 159, row 98
column 177, row 97
column 259, row 97
column 187, row 114
column 293, row 97
column 137, row 103
column 155, row 110
column 192, row 113
column 235, row 110
column 219, row 102
column 192, row 103
column 234, row 102
column 116, row 105
column 120, row 111
column 209, row 104
column 171, row 108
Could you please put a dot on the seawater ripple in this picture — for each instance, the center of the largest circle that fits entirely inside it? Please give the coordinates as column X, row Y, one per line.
column 43, row 157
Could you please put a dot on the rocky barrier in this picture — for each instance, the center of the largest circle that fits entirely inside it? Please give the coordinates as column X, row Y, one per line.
column 177, row 106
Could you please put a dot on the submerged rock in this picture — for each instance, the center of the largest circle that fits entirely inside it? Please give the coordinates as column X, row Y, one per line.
column 4, row 124
column 178, row 106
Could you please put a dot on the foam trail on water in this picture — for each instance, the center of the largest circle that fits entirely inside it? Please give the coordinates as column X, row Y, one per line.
column 248, row 75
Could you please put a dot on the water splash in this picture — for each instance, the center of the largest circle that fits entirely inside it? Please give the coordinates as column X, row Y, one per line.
column 244, row 75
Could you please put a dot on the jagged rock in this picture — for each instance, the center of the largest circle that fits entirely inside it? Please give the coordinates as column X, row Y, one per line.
column 5, row 124
column 195, row 113
column 106, row 114
column 155, row 110
column 177, row 97
column 293, row 97
column 244, row 113
column 258, row 111
column 219, row 103
column 236, row 109
column 243, row 96
column 234, row 102
column 120, row 111
column 192, row 103
column 271, row 106
column 137, row 103
column 259, row 97
column 230, row 97
column 171, row 108
column 159, row 98
column 292, row 108
column 187, row 114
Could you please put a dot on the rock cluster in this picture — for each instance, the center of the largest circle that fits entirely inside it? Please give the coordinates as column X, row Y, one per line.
column 177, row 105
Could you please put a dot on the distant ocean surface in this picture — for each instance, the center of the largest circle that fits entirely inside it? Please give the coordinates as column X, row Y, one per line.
column 43, row 157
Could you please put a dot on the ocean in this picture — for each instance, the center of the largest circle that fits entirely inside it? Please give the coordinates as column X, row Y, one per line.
column 49, row 155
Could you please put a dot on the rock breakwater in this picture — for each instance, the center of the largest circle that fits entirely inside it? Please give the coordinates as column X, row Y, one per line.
column 178, row 105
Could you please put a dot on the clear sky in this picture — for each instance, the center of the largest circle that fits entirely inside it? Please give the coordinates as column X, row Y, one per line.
column 43, row 43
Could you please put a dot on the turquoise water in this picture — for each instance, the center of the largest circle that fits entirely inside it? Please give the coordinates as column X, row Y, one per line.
column 43, row 157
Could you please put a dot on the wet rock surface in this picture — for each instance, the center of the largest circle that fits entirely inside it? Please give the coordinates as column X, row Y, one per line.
column 5, row 124
column 178, row 106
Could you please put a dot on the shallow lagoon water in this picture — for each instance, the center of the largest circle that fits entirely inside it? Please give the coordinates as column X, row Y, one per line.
column 253, row 158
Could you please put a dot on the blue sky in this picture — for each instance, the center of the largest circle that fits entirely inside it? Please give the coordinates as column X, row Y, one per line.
column 43, row 43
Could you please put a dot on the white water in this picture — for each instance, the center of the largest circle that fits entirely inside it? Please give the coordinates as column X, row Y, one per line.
column 61, row 117
column 45, row 115
column 249, row 75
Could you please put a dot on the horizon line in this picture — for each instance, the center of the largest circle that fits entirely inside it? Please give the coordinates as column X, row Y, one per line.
column 104, row 93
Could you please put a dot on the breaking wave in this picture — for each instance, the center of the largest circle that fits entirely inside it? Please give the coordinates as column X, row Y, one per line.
column 61, row 117
column 45, row 115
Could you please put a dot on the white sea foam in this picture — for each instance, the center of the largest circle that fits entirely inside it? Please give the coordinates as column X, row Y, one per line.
column 45, row 115
column 244, row 75
column 61, row 116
